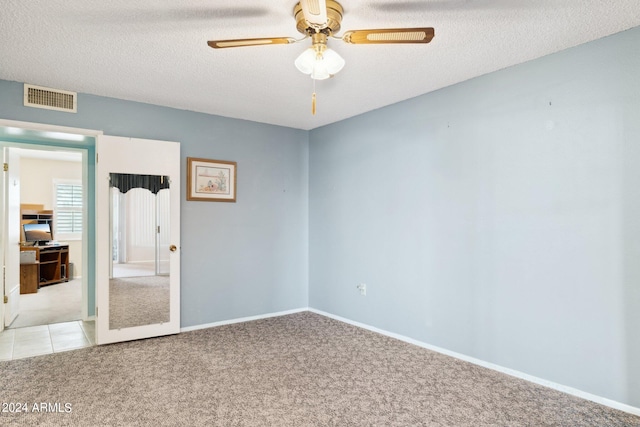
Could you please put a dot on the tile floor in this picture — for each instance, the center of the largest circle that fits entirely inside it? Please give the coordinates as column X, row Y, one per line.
column 45, row 339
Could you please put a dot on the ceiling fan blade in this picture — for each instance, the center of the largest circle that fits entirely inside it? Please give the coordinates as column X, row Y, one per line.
column 315, row 12
column 390, row 35
column 221, row 44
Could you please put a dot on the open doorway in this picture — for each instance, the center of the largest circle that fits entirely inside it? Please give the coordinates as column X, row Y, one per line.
column 74, row 265
column 97, row 258
column 51, row 202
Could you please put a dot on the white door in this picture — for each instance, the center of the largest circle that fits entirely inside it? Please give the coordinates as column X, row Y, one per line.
column 130, row 308
column 3, row 226
column 11, row 233
column 2, row 234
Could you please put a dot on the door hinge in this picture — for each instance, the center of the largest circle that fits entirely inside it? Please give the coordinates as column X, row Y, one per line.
column 96, row 311
column 6, row 299
column 5, row 167
column 96, row 157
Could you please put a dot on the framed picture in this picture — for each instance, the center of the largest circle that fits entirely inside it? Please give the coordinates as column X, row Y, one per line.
column 211, row 180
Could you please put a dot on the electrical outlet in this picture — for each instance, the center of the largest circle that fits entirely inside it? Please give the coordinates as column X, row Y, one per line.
column 362, row 288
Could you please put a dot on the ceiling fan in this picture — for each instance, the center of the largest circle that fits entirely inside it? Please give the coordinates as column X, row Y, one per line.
column 320, row 20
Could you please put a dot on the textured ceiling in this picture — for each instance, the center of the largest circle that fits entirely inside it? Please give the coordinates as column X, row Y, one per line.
column 156, row 52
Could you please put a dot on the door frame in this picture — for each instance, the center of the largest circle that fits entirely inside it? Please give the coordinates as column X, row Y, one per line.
column 10, row 234
column 50, row 135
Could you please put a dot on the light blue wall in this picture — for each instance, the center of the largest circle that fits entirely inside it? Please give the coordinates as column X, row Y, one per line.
column 238, row 259
column 498, row 218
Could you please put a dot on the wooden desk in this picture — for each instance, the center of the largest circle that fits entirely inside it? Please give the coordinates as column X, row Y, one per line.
column 29, row 274
column 53, row 263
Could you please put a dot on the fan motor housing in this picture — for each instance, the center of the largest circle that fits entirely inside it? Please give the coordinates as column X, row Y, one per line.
column 334, row 18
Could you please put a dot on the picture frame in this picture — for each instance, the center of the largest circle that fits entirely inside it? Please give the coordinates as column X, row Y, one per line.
column 211, row 180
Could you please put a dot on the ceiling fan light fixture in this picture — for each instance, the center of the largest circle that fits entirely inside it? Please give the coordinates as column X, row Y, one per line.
column 305, row 61
column 320, row 64
column 334, row 62
column 320, row 72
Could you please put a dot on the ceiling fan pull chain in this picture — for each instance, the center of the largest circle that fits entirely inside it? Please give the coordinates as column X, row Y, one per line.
column 313, row 99
column 313, row 104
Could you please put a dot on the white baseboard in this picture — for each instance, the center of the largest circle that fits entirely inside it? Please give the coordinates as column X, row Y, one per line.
column 565, row 389
column 243, row 319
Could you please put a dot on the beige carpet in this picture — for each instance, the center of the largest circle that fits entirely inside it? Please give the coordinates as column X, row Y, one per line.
column 57, row 303
column 137, row 301
column 298, row 370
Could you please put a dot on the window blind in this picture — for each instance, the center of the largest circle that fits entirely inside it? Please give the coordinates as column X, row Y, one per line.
column 68, row 209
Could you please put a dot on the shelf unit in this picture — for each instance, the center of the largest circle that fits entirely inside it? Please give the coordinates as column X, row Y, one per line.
column 53, row 263
column 35, row 214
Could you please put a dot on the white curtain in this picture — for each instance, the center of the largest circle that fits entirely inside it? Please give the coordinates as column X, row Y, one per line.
column 140, row 227
column 140, row 208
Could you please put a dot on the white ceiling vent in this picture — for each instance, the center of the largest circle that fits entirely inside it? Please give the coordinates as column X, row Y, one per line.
column 51, row 99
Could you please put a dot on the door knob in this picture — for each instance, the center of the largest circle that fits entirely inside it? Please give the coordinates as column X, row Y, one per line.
column 173, row 248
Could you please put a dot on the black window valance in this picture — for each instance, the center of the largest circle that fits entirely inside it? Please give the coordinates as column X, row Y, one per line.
column 125, row 182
